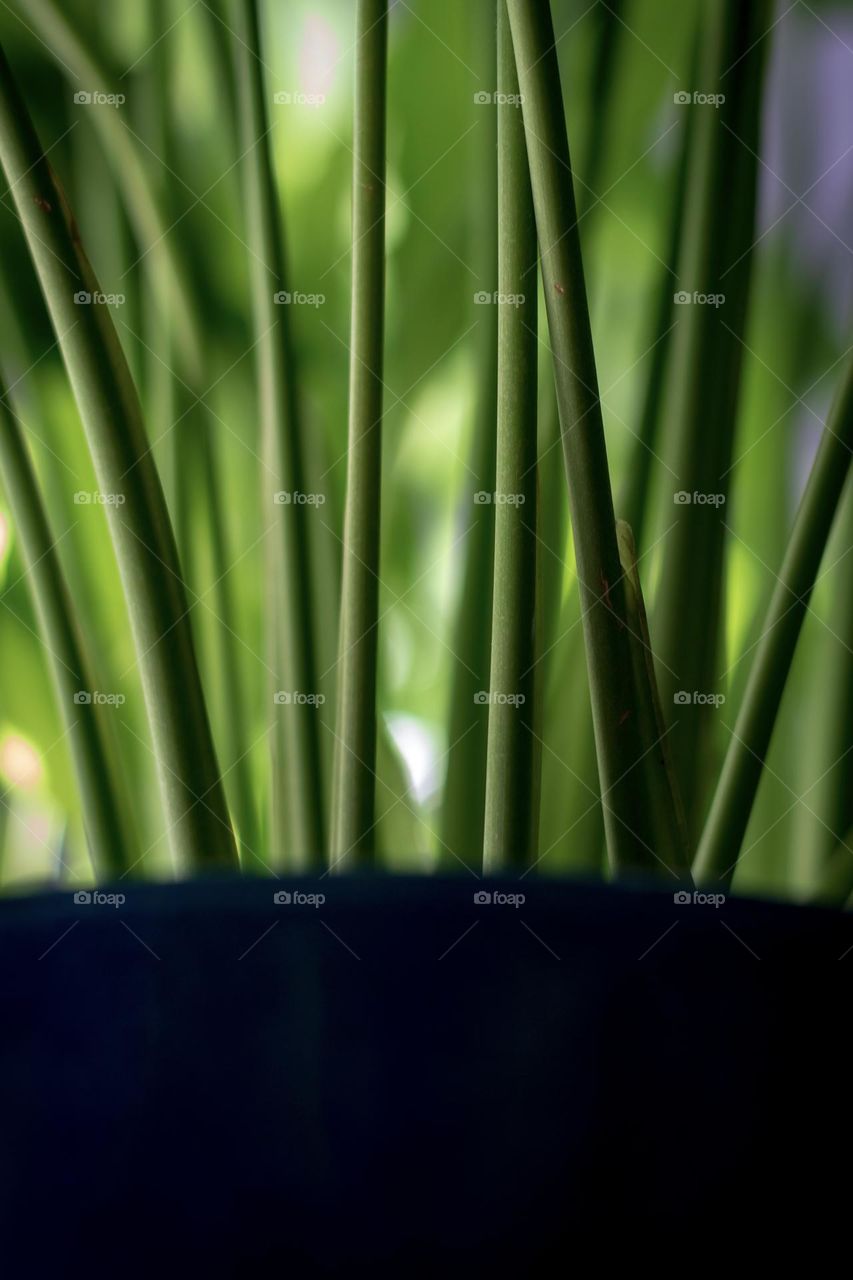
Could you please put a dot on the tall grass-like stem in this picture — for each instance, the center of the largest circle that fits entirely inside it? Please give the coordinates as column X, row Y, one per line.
column 722, row 837
column 602, row 595
column 194, row 805
column 512, row 792
column 354, row 798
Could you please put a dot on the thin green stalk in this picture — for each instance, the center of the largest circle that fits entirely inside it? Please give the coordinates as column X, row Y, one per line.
column 569, row 764
column 553, row 508
column 198, row 488
column 511, row 821
column 723, row 834
column 465, row 782
column 553, row 518
column 111, row 844
column 702, row 396
column 661, row 783
column 193, row 798
column 168, row 274
column 354, row 799
column 602, row 595
column 177, row 338
column 609, row 29
column 633, row 502
column 298, row 808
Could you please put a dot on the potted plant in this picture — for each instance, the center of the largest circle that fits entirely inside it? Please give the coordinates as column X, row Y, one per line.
column 274, row 922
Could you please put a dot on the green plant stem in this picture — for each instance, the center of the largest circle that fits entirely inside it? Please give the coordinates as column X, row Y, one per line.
column 354, row 799
column 661, row 783
column 169, row 276
column 553, row 517
column 511, row 820
column 602, row 595
column 634, row 498
column 724, row 830
column 196, row 470
column 600, row 93
column 111, row 844
column 703, row 391
column 193, row 799
column 464, row 800
column 298, row 808
column 176, row 336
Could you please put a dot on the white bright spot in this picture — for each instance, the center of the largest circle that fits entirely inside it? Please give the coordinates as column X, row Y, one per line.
column 20, row 763
column 318, row 56
column 4, row 535
column 418, row 746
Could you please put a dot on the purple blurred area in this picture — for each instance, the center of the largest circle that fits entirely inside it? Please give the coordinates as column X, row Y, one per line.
column 806, row 192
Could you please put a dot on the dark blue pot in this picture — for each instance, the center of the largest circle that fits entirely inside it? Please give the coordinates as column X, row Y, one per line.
column 402, row 1081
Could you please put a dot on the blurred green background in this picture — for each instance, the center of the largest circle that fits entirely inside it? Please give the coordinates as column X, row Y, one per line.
column 180, row 83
